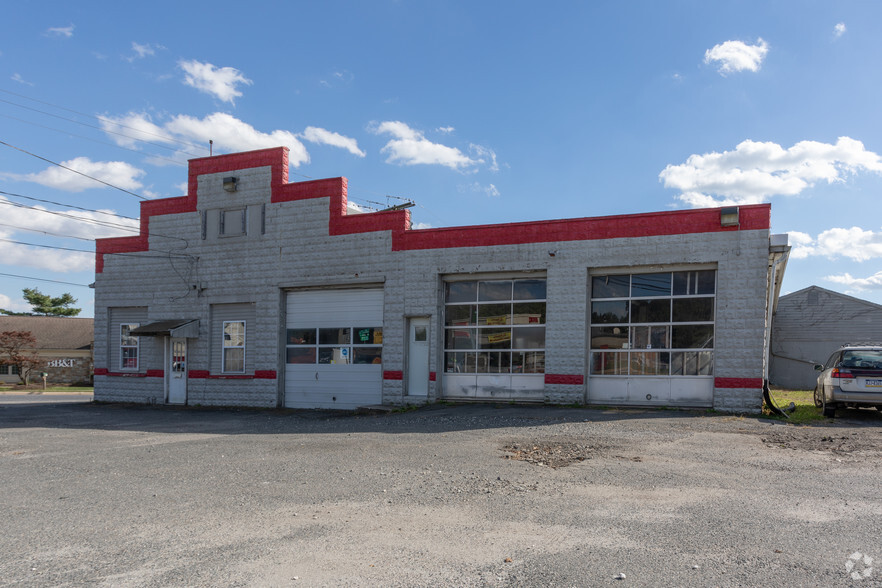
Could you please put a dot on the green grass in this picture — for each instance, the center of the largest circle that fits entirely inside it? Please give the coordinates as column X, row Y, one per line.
column 806, row 411
column 35, row 388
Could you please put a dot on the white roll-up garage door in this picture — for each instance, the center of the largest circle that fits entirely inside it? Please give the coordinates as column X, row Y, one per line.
column 334, row 344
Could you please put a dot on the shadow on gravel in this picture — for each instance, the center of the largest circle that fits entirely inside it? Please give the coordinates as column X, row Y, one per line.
column 434, row 418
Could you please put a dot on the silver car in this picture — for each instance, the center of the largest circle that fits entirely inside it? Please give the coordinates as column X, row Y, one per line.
column 852, row 377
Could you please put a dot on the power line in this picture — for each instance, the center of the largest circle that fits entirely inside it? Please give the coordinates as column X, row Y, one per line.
column 44, row 280
column 72, row 170
column 14, row 195
column 70, row 216
column 102, row 119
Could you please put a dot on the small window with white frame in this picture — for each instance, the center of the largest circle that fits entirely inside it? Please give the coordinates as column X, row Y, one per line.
column 234, row 347
column 128, row 347
column 233, row 222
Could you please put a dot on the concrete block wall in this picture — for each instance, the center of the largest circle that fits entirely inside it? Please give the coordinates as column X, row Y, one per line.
column 299, row 250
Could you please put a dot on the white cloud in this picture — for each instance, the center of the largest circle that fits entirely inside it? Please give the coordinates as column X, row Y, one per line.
column 228, row 133
column 325, row 137
column 117, row 173
column 478, row 188
column 839, row 29
column 873, row 282
column 16, row 77
column 445, row 130
column 421, row 226
column 734, row 56
column 854, row 243
column 142, row 51
column 410, row 147
column 220, row 82
column 15, row 305
column 485, row 155
column 66, row 32
column 756, row 171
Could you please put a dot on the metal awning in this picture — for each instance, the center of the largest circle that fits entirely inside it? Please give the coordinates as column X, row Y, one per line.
column 171, row 328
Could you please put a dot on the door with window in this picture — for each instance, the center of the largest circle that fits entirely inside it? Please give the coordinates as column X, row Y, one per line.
column 334, row 348
column 652, row 338
column 418, row 357
column 177, row 371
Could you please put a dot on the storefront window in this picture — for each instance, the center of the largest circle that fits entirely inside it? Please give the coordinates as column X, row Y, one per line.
column 655, row 324
column 503, row 321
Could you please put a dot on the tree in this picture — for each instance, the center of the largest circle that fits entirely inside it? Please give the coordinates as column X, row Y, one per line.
column 19, row 348
column 45, row 305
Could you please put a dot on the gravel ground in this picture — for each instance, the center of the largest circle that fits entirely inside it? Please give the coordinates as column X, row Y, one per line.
column 475, row 495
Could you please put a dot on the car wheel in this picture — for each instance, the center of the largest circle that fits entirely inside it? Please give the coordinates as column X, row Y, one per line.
column 819, row 402
column 829, row 410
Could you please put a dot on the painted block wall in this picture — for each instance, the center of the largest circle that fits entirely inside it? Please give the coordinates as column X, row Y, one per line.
column 308, row 241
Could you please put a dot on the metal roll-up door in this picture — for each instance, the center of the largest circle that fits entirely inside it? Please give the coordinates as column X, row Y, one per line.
column 334, row 348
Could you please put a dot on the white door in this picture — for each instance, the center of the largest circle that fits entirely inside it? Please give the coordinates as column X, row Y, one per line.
column 334, row 349
column 418, row 357
column 177, row 371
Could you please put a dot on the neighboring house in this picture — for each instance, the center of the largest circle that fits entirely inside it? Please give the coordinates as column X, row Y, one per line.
column 809, row 325
column 64, row 343
column 258, row 292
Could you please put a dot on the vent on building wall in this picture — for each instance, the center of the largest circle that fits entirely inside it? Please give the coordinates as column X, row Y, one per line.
column 231, row 183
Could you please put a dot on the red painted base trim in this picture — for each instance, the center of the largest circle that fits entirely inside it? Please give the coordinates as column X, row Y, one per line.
column 569, row 379
column 155, row 373
column 264, row 374
column 121, row 374
column 738, row 382
column 393, row 375
column 433, row 376
column 198, row 374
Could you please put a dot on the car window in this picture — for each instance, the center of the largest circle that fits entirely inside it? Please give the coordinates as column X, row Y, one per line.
column 834, row 359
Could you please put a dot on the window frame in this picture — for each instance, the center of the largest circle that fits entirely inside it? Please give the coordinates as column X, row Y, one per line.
column 629, row 360
column 225, row 347
column 123, row 335
column 339, row 349
column 224, row 230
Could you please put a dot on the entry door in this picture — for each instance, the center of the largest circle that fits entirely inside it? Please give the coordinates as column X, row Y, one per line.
column 177, row 371
column 418, row 357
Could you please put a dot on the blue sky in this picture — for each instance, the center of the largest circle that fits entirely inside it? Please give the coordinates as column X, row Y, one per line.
column 480, row 112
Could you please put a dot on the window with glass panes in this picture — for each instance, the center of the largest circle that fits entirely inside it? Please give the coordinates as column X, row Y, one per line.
column 653, row 324
column 494, row 326
column 128, row 347
column 335, row 345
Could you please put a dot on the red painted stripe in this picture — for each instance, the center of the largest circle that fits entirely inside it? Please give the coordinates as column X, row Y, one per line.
column 101, row 371
column 738, row 382
column 393, row 375
column 433, row 376
column 264, row 374
column 155, row 373
column 122, row 375
column 569, row 379
column 198, row 374
column 675, row 222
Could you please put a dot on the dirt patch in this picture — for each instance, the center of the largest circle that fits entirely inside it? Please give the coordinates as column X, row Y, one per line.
column 823, row 439
column 554, row 453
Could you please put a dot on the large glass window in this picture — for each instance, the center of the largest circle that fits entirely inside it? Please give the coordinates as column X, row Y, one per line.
column 653, row 324
column 495, row 326
column 234, row 347
column 128, row 347
column 335, row 345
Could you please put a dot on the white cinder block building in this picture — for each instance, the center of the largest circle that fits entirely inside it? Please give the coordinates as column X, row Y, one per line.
column 258, row 292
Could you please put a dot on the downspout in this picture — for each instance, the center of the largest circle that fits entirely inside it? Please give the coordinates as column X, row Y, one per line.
column 779, row 252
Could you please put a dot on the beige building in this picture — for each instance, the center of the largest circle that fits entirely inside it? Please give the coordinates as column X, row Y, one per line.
column 65, row 345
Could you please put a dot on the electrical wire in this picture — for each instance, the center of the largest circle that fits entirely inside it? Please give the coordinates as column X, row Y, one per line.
column 44, row 280
column 14, row 195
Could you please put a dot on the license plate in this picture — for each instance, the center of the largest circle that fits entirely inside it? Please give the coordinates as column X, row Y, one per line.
column 874, row 383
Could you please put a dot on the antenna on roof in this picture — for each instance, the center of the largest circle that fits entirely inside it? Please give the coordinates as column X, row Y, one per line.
column 210, row 147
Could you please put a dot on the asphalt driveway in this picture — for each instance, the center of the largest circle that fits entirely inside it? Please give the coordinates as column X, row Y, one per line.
column 473, row 495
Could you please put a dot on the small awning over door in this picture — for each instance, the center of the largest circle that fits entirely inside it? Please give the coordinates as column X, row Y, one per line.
column 170, row 328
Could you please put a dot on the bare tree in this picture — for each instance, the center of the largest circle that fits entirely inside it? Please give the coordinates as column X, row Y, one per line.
column 19, row 348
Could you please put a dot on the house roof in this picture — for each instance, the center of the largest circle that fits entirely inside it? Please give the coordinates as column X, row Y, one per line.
column 53, row 332
column 805, row 291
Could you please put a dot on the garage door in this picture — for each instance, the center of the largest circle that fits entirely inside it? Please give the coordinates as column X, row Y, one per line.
column 334, row 349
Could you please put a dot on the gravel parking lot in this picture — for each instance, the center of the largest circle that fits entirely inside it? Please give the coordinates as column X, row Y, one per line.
column 473, row 495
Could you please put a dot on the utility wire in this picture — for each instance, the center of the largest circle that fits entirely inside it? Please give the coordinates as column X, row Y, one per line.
column 14, row 195
column 141, row 255
column 47, row 232
column 27, row 122
column 72, row 170
column 44, row 280
column 102, row 119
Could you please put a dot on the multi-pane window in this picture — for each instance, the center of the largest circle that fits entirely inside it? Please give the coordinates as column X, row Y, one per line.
column 495, row 326
column 655, row 324
column 335, row 345
column 8, row 369
column 128, row 347
column 234, row 347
